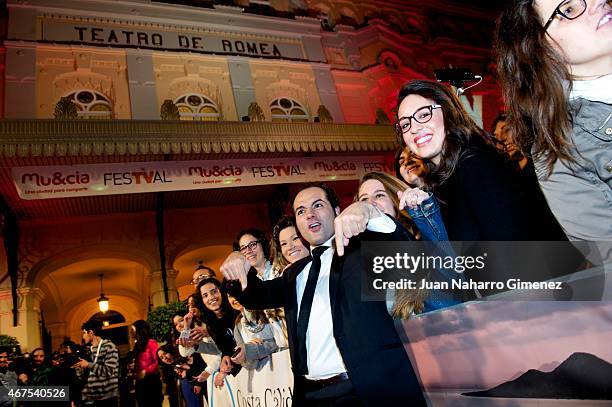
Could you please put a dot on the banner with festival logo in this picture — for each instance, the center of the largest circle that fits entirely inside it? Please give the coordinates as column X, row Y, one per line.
column 272, row 385
column 43, row 182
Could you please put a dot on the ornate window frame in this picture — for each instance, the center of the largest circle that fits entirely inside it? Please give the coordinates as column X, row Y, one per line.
column 187, row 101
column 281, row 111
column 85, row 106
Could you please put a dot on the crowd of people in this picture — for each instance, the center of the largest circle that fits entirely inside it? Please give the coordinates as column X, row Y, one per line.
column 544, row 173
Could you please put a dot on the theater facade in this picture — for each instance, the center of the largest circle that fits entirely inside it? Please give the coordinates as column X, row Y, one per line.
column 138, row 137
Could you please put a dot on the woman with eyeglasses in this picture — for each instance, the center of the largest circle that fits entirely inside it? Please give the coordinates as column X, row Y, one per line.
column 479, row 195
column 253, row 245
column 555, row 66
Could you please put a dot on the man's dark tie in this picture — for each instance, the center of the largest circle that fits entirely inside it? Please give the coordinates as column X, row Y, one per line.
column 305, row 307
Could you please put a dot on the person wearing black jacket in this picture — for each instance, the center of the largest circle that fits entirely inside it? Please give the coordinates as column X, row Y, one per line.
column 220, row 318
column 344, row 351
column 481, row 197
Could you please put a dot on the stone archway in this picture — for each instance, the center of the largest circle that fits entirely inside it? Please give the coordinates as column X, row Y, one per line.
column 129, row 308
column 69, row 279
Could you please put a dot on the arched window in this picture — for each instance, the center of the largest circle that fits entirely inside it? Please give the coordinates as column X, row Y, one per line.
column 193, row 106
column 288, row 110
column 91, row 104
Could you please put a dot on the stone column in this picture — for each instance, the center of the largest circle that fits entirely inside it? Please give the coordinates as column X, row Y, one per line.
column 157, row 287
column 242, row 84
column 141, row 75
column 20, row 86
column 58, row 333
column 27, row 330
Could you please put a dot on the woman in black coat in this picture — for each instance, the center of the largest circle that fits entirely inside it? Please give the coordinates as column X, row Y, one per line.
column 480, row 195
column 220, row 318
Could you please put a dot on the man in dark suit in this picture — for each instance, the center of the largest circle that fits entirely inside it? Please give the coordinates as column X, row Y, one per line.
column 344, row 351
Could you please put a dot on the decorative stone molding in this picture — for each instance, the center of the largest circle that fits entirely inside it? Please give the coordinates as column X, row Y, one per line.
column 324, row 115
column 256, row 114
column 193, row 84
column 65, row 109
column 71, row 81
column 169, row 111
column 58, row 138
column 285, row 88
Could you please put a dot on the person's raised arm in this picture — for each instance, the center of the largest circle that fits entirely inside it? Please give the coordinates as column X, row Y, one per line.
column 255, row 294
column 355, row 219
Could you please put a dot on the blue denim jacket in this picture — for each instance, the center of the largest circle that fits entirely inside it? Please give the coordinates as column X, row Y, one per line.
column 428, row 219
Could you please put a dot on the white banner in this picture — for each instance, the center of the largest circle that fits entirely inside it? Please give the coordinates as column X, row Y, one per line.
column 271, row 386
column 64, row 181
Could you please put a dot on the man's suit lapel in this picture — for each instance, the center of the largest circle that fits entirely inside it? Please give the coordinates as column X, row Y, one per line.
column 334, row 278
column 291, row 314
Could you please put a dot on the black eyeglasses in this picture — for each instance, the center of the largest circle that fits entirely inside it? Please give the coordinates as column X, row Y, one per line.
column 569, row 9
column 423, row 115
column 249, row 246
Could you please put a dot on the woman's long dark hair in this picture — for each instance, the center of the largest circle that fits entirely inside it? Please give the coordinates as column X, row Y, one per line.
column 533, row 77
column 209, row 316
column 168, row 348
column 142, row 335
column 459, row 127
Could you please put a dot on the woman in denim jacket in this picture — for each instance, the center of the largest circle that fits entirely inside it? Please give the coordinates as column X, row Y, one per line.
column 424, row 222
column 421, row 207
column 555, row 66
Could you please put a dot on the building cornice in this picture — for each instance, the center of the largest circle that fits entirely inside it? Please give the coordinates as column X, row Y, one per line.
column 58, row 138
column 172, row 15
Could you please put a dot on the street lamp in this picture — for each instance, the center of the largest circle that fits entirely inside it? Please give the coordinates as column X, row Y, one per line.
column 102, row 301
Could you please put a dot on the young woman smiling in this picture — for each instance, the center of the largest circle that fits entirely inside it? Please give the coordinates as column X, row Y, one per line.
column 392, row 196
column 253, row 245
column 479, row 195
column 219, row 317
column 287, row 245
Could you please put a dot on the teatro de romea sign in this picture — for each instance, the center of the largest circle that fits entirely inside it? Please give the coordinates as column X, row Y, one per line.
column 84, row 31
